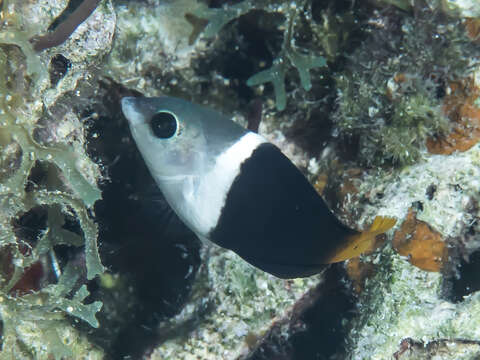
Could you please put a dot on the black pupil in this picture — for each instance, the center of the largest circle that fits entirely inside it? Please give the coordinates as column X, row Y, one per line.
column 163, row 125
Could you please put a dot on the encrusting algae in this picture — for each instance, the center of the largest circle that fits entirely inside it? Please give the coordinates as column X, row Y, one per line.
column 423, row 246
column 462, row 107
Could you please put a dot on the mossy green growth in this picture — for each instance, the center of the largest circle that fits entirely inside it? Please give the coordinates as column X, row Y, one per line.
column 390, row 95
column 391, row 131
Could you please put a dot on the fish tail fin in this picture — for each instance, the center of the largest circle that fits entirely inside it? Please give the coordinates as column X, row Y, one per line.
column 357, row 244
column 381, row 224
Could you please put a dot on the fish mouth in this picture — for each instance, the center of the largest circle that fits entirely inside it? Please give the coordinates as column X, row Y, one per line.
column 129, row 109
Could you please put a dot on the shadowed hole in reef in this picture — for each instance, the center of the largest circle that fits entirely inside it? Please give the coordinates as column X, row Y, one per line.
column 44, row 175
column 242, row 49
column 151, row 256
column 466, row 280
column 325, row 319
column 311, row 130
column 315, row 330
column 28, row 228
column 58, row 68
column 29, row 225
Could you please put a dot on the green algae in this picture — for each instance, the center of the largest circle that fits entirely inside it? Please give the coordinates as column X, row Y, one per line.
column 276, row 74
column 34, row 320
column 38, row 313
column 289, row 56
column 218, row 18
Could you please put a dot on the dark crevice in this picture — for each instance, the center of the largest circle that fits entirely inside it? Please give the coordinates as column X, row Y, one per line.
column 59, row 66
column 151, row 255
column 29, row 225
column 466, row 280
column 315, row 328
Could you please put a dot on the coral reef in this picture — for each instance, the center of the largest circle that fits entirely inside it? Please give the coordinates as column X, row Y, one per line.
column 387, row 92
column 400, row 300
column 242, row 307
column 376, row 101
column 446, row 348
column 158, row 43
column 235, row 310
column 207, row 22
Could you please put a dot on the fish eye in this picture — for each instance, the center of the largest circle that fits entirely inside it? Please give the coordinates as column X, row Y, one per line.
column 163, row 125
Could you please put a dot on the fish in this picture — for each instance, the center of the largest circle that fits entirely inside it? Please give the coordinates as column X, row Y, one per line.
column 231, row 186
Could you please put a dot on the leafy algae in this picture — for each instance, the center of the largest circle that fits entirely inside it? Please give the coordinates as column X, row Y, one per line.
column 55, row 179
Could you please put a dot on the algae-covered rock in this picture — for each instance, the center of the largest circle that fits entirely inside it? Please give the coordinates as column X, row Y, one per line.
column 420, row 299
column 466, row 8
column 152, row 41
column 232, row 304
column 404, row 302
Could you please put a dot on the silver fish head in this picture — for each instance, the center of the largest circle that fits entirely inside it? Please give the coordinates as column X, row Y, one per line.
column 181, row 143
column 168, row 134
